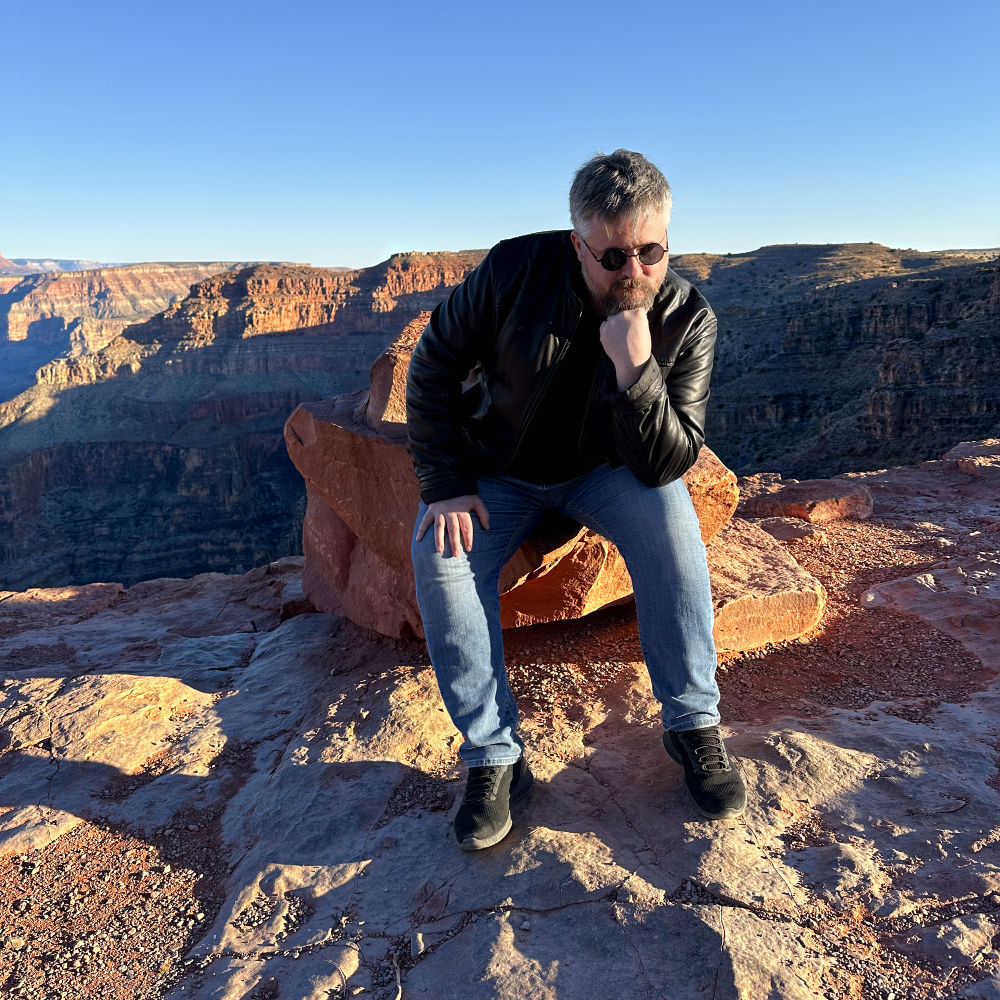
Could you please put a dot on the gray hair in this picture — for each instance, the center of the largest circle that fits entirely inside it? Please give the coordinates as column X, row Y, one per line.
column 612, row 185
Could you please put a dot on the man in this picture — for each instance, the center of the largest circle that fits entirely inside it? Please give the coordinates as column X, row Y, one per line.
column 568, row 372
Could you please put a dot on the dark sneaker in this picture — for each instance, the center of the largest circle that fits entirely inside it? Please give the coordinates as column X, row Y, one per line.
column 483, row 818
column 715, row 786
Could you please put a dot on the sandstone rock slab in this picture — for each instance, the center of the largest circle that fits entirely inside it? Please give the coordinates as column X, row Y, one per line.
column 319, row 761
column 761, row 594
column 814, row 500
column 385, row 406
column 785, row 529
column 961, row 597
column 953, row 943
column 977, row 458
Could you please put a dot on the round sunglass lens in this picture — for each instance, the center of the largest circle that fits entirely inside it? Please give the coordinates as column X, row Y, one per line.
column 613, row 259
column 651, row 253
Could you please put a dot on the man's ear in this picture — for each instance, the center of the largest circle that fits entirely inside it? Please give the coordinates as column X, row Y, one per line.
column 577, row 245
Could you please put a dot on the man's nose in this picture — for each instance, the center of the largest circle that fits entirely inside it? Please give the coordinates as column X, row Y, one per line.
column 632, row 268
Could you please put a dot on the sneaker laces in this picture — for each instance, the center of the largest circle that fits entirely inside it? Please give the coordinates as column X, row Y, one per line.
column 709, row 752
column 482, row 783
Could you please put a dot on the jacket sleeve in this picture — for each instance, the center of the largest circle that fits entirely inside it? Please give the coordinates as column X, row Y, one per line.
column 659, row 422
column 447, row 350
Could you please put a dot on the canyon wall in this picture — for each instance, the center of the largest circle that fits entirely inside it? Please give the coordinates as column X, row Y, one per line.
column 161, row 453
column 148, row 441
column 849, row 356
column 939, row 388
column 44, row 316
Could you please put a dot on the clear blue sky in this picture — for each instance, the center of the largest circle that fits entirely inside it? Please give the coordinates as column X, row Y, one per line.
column 335, row 133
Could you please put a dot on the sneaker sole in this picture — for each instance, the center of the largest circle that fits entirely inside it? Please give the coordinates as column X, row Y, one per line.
column 518, row 794
column 726, row 814
column 475, row 844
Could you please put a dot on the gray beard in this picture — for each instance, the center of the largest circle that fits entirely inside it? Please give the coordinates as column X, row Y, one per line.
column 628, row 293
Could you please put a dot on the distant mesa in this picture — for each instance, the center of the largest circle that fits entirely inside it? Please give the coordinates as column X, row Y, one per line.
column 22, row 265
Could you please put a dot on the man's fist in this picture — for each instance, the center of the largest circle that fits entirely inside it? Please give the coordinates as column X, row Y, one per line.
column 625, row 339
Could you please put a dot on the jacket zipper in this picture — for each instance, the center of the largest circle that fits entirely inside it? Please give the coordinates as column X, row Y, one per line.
column 530, row 412
column 595, row 391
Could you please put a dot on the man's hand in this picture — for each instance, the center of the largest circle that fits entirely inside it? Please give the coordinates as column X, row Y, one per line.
column 453, row 517
column 625, row 339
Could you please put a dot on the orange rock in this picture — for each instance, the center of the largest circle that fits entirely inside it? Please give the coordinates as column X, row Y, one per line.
column 361, row 500
column 580, row 576
column 760, row 592
column 343, row 576
column 386, row 402
column 815, row 500
column 363, row 496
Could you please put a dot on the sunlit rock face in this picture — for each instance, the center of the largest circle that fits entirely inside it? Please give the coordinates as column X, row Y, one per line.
column 48, row 315
column 161, row 452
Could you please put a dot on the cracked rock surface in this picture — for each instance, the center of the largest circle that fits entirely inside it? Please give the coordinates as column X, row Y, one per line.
column 209, row 791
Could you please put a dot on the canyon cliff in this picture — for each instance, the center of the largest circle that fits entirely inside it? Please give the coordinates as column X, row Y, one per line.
column 849, row 356
column 149, row 441
column 161, row 452
column 824, row 352
column 44, row 316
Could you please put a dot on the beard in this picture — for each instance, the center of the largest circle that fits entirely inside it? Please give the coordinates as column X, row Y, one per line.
column 626, row 293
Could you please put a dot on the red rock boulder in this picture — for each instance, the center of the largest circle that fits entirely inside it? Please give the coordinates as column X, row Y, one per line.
column 362, row 499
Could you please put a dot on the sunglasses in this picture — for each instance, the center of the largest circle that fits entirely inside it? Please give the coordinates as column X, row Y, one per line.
column 614, row 259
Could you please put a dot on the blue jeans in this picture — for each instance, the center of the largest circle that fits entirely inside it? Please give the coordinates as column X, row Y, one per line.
column 656, row 531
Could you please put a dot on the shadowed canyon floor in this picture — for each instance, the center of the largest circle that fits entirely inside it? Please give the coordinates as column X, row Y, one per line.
column 209, row 791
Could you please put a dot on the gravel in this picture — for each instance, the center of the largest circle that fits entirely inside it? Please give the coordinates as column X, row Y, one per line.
column 99, row 913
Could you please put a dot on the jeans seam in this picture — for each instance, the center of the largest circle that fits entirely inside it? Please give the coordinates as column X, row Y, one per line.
column 513, row 716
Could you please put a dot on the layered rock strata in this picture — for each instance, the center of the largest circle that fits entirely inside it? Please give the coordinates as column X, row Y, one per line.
column 181, row 413
column 362, row 497
column 161, row 453
column 937, row 387
column 75, row 313
column 849, row 356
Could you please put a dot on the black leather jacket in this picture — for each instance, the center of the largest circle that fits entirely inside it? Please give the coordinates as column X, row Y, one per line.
column 483, row 363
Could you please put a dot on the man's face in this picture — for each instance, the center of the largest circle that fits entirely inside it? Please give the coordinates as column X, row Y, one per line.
column 635, row 285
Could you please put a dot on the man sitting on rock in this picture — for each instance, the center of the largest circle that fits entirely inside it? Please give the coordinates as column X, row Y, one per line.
column 568, row 372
